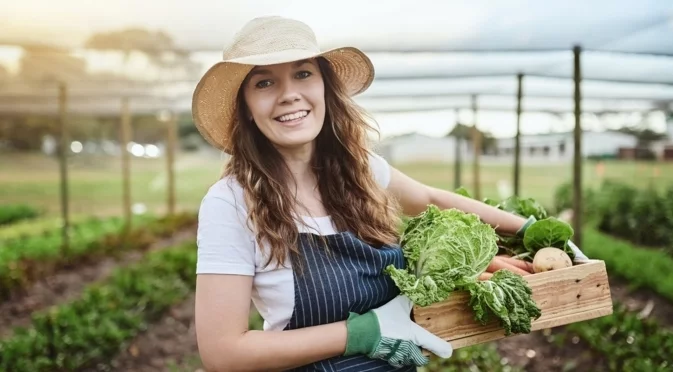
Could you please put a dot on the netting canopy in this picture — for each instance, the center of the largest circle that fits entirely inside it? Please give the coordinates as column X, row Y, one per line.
column 428, row 55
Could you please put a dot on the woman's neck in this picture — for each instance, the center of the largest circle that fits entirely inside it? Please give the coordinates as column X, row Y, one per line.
column 299, row 162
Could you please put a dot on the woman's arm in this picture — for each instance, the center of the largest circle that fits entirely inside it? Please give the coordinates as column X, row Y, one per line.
column 414, row 198
column 226, row 344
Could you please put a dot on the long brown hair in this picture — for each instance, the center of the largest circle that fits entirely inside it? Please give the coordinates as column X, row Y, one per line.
column 348, row 190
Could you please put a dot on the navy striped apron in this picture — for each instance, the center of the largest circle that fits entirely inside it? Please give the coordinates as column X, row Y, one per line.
column 345, row 277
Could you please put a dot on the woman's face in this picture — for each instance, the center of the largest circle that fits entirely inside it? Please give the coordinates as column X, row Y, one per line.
column 287, row 102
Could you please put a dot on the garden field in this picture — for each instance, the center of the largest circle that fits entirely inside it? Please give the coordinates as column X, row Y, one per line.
column 122, row 300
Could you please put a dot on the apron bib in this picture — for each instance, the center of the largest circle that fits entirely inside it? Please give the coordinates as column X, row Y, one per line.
column 345, row 277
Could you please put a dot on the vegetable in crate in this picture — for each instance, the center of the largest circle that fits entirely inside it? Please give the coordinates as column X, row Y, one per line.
column 447, row 250
column 547, row 259
column 550, row 232
column 541, row 230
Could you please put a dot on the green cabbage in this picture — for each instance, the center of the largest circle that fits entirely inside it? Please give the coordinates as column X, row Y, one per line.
column 446, row 250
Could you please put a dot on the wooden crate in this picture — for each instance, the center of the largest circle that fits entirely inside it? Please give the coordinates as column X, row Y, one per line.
column 564, row 296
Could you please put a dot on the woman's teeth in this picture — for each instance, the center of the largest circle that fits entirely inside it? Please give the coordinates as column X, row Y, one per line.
column 296, row 115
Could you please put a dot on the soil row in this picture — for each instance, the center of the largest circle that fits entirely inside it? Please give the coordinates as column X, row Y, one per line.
column 67, row 285
column 541, row 351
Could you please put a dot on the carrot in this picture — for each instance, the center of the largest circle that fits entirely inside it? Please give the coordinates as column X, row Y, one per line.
column 497, row 264
column 521, row 264
column 485, row 276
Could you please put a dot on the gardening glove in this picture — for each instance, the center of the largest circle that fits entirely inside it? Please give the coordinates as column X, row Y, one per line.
column 388, row 333
column 522, row 230
column 579, row 255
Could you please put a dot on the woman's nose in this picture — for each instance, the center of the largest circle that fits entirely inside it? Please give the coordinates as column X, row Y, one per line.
column 289, row 93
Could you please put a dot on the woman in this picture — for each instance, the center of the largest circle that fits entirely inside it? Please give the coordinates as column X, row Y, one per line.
column 305, row 217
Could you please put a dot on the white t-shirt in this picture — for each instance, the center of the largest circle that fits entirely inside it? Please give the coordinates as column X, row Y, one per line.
column 226, row 245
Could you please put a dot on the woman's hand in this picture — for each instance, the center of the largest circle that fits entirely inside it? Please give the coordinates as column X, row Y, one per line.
column 388, row 333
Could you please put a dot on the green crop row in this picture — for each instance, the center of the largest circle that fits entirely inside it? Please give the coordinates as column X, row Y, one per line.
column 642, row 216
column 24, row 260
column 641, row 267
column 627, row 342
column 37, row 226
column 484, row 357
column 89, row 331
column 11, row 213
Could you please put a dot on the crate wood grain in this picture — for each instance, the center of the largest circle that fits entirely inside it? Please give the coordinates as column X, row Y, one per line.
column 564, row 296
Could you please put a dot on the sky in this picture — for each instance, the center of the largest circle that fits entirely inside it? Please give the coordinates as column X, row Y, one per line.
column 417, row 23
column 644, row 25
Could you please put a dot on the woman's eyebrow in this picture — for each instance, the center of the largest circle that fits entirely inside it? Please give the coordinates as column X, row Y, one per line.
column 302, row 62
column 259, row 72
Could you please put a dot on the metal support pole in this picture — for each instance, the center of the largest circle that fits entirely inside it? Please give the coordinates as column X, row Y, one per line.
column 517, row 142
column 64, row 147
column 126, row 160
column 476, row 142
column 577, row 160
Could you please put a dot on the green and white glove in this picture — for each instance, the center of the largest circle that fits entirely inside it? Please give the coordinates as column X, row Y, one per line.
column 388, row 333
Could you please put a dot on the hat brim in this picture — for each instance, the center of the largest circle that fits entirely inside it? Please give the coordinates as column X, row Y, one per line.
column 214, row 98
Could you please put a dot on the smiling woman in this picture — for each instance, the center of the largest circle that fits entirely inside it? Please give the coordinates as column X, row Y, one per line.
column 306, row 216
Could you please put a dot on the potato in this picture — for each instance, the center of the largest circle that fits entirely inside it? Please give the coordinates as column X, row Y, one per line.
column 550, row 258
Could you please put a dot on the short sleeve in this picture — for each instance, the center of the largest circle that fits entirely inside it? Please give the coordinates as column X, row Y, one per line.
column 380, row 169
column 225, row 244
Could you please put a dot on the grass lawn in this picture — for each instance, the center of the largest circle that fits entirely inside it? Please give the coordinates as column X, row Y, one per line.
column 95, row 183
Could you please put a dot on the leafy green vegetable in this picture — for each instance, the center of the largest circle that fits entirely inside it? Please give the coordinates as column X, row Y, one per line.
column 546, row 230
column 507, row 296
column 550, row 232
column 446, row 251
column 525, row 207
column 463, row 191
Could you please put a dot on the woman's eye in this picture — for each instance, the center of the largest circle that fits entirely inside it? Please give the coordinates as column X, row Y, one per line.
column 304, row 74
column 263, row 84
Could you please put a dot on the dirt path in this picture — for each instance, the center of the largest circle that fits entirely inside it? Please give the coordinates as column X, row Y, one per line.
column 165, row 345
column 68, row 284
column 540, row 351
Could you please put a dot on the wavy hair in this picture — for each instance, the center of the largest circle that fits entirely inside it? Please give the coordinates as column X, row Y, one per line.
column 349, row 192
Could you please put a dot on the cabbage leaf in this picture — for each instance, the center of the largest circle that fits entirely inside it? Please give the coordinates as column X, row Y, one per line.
column 507, row 296
column 446, row 250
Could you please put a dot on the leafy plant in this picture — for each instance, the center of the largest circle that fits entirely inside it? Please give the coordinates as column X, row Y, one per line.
column 11, row 213
column 447, row 250
column 550, row 232
column 545, row 232
column 630, row 262
column 483, row 357
column 524, row 207
column 629, row 342
column 644, row 216
column 24, row 260
column 93, row 328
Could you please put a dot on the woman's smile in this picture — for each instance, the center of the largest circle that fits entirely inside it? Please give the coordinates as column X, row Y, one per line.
column 293, row 119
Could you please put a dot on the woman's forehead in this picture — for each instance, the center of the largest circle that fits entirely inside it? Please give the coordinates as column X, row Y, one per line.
column 281, row 66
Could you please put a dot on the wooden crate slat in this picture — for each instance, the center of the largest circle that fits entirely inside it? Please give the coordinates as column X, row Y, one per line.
column 565, row 296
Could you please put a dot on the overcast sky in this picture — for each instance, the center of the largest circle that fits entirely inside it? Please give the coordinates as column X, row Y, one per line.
column 422, row 24
column 417, row 22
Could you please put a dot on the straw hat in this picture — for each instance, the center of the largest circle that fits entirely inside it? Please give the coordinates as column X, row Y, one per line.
column 266, row 41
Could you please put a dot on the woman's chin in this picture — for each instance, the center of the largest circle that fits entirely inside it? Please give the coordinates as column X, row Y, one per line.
column 297, row 140
column 296, row 144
